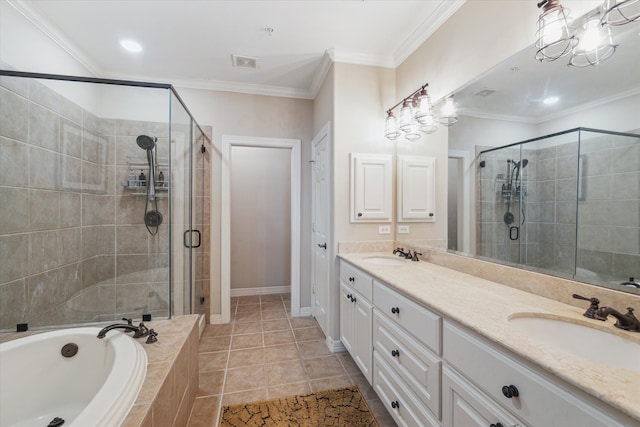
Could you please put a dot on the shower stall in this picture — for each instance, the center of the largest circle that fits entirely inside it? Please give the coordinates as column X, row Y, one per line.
column 568, row 203
column 103, row 202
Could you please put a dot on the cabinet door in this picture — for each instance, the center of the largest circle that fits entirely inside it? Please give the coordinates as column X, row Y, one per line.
column 371, row 188
column 346, row 317
column 362, row 320
column 465, row 406
column 416, row 189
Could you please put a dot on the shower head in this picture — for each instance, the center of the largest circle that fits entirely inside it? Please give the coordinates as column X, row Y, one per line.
column 146, row 142
column 523, row 163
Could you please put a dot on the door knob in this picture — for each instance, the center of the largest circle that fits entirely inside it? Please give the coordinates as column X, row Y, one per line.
column 323, row 246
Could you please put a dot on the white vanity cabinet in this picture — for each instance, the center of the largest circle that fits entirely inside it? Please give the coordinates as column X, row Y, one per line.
column 533, row 397
column 406, row 342
column 355, row 316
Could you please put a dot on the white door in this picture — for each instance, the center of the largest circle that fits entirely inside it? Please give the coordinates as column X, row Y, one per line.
column 320, row 228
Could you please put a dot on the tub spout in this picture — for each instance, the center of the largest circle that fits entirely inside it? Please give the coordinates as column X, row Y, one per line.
column 138, row 331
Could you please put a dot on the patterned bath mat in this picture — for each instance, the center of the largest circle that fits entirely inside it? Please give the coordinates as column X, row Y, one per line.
column 339, row 407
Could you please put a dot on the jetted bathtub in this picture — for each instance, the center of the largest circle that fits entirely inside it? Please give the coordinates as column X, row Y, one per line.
column 95, row 387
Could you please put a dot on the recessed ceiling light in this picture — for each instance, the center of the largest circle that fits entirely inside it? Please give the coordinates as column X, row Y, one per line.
column 130, row 45
column 550, row 100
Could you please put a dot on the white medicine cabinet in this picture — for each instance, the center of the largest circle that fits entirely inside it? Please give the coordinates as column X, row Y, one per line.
column 416, row 189
column 371, row 187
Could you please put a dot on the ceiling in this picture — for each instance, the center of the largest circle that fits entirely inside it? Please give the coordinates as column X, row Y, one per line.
column 190, row 43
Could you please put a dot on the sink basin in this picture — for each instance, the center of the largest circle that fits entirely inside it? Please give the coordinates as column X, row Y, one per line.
column 384, row 261
column 580, row 340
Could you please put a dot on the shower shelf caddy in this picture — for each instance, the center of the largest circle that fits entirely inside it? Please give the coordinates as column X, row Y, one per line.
column 137, row 164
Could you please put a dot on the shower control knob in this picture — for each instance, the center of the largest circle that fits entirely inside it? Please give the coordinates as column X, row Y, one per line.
column 510, row 391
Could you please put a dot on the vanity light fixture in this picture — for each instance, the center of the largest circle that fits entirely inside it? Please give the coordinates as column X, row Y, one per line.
column 448, row 116
column 620, row 12
column 555, row 35
column 417, row 116
column 589, row 41
column 594, row 42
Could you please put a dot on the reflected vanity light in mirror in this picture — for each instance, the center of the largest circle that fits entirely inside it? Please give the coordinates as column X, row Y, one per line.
column 130, row 45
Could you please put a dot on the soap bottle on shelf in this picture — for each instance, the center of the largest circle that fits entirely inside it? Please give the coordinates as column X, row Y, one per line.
column 132, row 180
column 161, row 180
column 143, row 179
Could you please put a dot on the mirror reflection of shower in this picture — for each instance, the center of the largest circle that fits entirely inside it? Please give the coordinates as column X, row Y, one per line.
column 512, row 191
column 152, row 217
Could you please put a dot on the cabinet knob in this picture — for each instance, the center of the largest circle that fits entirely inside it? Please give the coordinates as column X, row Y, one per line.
column 352, row 279
column 353, row 299
column 510, row 391
column 430, row 213
column 359, row 214
column 395, row 310
column 395, row 404
column 496, row 425
column 349, row 297
column 395, row 353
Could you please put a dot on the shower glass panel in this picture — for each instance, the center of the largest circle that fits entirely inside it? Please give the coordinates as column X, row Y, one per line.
column 567, row 203
column 85, row 178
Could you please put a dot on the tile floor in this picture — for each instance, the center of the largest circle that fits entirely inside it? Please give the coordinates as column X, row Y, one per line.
column 263, row 353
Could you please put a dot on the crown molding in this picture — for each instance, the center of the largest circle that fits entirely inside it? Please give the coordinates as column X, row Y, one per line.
column 426, row 29
column 362, row 59
column 56, row 36
column 218, row 85
column 482, row 115
column 321, row 74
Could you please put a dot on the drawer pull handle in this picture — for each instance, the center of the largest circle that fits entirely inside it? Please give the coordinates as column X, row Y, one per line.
column 395, row 353
column 352, row 279
column 353, row 299
column 395, row 404
column 395, row 310
column 349, row 297
column 496, row 425
column 510, row 391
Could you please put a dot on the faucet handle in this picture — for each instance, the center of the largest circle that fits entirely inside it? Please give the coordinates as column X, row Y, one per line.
column 142, row 331
column 593, row 308
column 415, row 256
column 129, row 321
column 153, row 337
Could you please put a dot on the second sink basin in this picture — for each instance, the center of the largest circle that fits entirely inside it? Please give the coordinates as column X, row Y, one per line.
column 580, row 340
column 384, row 261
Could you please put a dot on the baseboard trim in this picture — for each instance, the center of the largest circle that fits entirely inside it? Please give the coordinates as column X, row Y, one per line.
column 215, row 319
column 305, row 311
column 335, row 346
column 243, row 292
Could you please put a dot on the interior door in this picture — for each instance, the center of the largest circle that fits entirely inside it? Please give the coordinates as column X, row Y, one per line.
column 321, row 211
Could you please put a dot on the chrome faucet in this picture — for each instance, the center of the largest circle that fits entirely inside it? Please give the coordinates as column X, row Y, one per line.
column 138, row 331
column 626, row 321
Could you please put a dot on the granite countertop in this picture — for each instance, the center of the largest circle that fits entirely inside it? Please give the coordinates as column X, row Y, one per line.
column 486, row 307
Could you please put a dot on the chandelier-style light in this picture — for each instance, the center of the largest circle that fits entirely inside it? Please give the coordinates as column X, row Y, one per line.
column 555, row 36
column 620, row 12
column 417, row 116
column 589, row 41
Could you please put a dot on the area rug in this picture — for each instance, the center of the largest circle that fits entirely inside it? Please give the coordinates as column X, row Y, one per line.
column 339, row 407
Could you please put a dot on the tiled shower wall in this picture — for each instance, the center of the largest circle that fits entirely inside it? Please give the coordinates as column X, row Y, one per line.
column 73, row 245
column 608, row 207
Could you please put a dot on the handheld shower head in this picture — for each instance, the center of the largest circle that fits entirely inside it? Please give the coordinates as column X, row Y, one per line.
column 146, row 142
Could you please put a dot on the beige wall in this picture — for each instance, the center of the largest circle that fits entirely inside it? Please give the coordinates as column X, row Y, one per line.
column 259, row 116
column 260, row 217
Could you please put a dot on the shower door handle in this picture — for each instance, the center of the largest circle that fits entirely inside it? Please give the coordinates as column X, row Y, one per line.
column 188, row 244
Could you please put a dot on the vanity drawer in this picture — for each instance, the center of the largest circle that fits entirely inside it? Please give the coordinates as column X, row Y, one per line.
column 539, row 403
column 357, row 279
column 412, row 361
column 405, row 408
column 415, row 319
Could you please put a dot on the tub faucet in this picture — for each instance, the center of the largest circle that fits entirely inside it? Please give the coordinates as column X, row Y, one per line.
column 626, row 321
column 138, row 331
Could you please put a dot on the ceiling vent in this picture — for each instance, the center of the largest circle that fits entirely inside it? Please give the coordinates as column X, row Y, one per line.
column 245, row 62
column 485, row 92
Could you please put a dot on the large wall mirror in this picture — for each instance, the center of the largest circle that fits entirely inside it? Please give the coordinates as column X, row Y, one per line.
column 572, row 208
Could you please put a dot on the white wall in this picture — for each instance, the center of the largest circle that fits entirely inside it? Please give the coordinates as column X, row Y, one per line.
column 260, row 217
column 260, row 116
